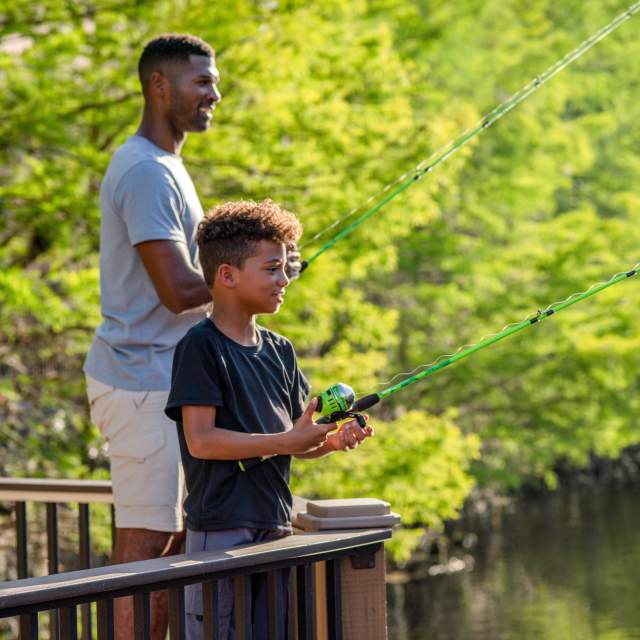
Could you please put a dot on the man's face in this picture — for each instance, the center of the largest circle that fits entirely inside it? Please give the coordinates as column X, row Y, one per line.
column 193, row 93
column 261, row 282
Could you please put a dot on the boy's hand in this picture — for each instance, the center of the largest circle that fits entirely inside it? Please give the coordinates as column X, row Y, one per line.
column 349, row 436
column 306, row 435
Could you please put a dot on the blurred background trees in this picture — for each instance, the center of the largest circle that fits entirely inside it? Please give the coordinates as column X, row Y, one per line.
column 323, row 105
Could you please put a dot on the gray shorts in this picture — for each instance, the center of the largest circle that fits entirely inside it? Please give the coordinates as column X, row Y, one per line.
column 218, row 540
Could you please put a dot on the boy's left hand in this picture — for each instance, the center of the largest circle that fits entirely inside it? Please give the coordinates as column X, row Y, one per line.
column 349, row 436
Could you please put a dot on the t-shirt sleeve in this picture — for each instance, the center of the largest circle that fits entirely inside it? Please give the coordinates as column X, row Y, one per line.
column 299, row 389
column 195, row 378
column 150, row 203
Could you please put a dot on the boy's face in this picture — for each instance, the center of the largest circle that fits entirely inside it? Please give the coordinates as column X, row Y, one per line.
column 261, row 282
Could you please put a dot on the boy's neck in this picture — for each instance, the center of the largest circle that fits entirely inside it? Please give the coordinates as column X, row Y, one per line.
column 236, row 324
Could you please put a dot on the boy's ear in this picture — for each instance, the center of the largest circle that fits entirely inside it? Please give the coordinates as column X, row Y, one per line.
column 226, row 275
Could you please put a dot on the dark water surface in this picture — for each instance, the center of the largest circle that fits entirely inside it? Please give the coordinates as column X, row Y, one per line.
column 564, row 566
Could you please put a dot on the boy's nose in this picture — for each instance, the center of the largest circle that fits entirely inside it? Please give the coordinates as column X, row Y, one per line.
column 283, row 280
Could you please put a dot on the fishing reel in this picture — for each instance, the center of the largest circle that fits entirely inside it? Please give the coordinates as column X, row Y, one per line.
column 335, row 404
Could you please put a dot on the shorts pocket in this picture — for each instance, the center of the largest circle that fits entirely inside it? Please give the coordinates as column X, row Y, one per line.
column 138, row 445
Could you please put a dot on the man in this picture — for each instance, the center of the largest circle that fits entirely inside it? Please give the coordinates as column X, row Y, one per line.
column 152, row 292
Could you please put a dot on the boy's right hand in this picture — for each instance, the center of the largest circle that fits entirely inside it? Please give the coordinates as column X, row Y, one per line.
column 306, row 435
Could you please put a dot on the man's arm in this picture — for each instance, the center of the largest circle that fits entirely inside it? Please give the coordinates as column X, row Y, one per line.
column 179, row 286
column 208, row 442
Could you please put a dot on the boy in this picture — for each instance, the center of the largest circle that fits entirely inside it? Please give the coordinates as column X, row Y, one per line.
column 237, row 393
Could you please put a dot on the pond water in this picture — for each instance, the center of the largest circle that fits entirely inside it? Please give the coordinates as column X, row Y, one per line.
column 564, row 566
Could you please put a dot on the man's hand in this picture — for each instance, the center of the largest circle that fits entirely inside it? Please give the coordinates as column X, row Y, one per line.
column 306, row 435
column 293, row 261
column 349, row 436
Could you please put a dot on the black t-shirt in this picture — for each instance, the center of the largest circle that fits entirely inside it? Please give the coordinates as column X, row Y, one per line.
column 255, row 390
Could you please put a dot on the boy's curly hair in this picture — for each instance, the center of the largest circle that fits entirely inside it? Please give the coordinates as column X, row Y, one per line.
column 230, row 232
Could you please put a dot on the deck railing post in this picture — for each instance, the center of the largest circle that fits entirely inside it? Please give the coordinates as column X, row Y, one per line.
column 52, row 561
column 29, row 626
column 104, row 610
column 356, row 583
column 68, row 623
column 210, row 609
column 306, row 602
column 242, row 607
column 21, row 539
column 364, row 596
column 141, row 616
column 84, row 534
column 177, row 629
column 334, row 599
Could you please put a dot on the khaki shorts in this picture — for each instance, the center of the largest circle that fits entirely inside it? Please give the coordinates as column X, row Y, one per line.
column 146, row 473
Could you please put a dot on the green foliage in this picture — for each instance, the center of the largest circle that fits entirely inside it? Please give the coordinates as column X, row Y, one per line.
column 323, row 105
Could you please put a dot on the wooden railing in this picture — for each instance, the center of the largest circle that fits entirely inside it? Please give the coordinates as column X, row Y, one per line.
column 20, row 491
column 326, row 578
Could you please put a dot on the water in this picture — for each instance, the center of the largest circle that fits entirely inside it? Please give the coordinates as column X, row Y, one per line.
column 564, row 566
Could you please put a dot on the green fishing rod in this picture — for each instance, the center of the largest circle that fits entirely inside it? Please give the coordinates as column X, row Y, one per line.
column 401, row 184
column 339, row 401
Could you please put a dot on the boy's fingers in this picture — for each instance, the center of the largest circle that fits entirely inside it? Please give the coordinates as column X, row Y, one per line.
column 312, row 407
column 325, row 428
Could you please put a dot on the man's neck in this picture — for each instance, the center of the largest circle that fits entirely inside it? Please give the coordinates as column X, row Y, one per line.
column 236, row 324
column 160, row 131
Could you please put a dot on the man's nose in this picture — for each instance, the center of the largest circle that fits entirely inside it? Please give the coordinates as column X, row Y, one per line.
column 215, row 93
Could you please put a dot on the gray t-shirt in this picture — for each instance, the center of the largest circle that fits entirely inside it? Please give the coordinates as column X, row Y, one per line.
column 146, row 194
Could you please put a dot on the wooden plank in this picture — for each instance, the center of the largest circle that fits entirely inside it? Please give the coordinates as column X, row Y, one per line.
column 105, row 619
column 276, row 606
column 103, row 580
column 45, row 490
column 21, row 539
column 177, row 629
column 210, row 609
column 334, row 599
column 364, row 597
column 141, row 616
column 306, row 601
column 242, row 606
column 29, row 626
column 320, row 590
column 84, row 555
column 68, row 623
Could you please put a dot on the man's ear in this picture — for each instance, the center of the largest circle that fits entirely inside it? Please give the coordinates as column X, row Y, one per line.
column 159, row 84
column 226, row 275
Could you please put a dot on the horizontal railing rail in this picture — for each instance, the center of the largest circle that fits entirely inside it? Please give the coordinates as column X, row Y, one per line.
column 65, row 591
column 55, row 490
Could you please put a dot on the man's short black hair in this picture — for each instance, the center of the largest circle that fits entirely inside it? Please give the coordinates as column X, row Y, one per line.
column 170, row 47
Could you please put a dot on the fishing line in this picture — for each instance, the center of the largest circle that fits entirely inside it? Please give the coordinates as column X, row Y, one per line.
column 403, row 182
column 340, row 400
column 527, row 318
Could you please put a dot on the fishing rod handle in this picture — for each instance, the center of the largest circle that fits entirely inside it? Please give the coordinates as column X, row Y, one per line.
column 250, row 463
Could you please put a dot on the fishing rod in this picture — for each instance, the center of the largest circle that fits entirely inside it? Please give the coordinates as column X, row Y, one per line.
column 339, row 401
column 401, row 184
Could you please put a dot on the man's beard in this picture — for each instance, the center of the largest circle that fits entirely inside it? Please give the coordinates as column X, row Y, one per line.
column 186, row 117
